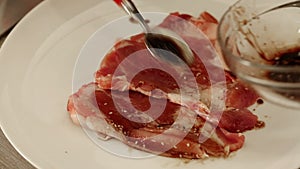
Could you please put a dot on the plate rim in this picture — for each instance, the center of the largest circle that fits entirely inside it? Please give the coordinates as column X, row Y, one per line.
column 9, row 38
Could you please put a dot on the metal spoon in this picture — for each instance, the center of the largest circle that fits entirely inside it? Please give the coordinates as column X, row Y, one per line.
column 286, row 5
column 159, row 41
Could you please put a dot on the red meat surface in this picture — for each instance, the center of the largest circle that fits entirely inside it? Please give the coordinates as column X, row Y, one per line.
column 136, row 97
column 138, row 127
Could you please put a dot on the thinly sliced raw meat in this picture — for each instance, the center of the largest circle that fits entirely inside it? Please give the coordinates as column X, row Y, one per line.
column 236, row 120
column 118, row 71
column 165, row 109
column 97, row 109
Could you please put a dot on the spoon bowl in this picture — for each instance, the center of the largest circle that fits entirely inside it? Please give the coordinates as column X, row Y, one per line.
column 162, row 43
column 165, row 44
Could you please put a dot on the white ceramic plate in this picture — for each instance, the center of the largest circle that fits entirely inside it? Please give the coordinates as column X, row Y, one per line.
column 36, row 67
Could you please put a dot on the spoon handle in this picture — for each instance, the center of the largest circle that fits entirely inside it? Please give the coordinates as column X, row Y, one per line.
column 131, row 9
column 286, row 5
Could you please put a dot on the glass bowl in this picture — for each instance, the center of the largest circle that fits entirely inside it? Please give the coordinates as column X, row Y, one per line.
column 263, row 49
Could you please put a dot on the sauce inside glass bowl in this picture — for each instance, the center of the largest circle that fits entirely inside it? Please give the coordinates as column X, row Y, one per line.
column 290, row 58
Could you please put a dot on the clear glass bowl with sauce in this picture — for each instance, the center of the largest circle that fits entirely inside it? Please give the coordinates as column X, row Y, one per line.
column 263, row 49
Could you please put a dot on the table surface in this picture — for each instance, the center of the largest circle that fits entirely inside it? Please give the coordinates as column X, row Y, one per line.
column 9, row 157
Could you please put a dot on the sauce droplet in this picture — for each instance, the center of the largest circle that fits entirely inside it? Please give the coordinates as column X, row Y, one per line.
column 260, row 124
column 260, row 101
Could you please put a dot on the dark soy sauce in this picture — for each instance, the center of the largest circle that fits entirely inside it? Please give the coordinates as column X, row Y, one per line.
column 260, row 101
column 290, row 58
column 166, row 45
